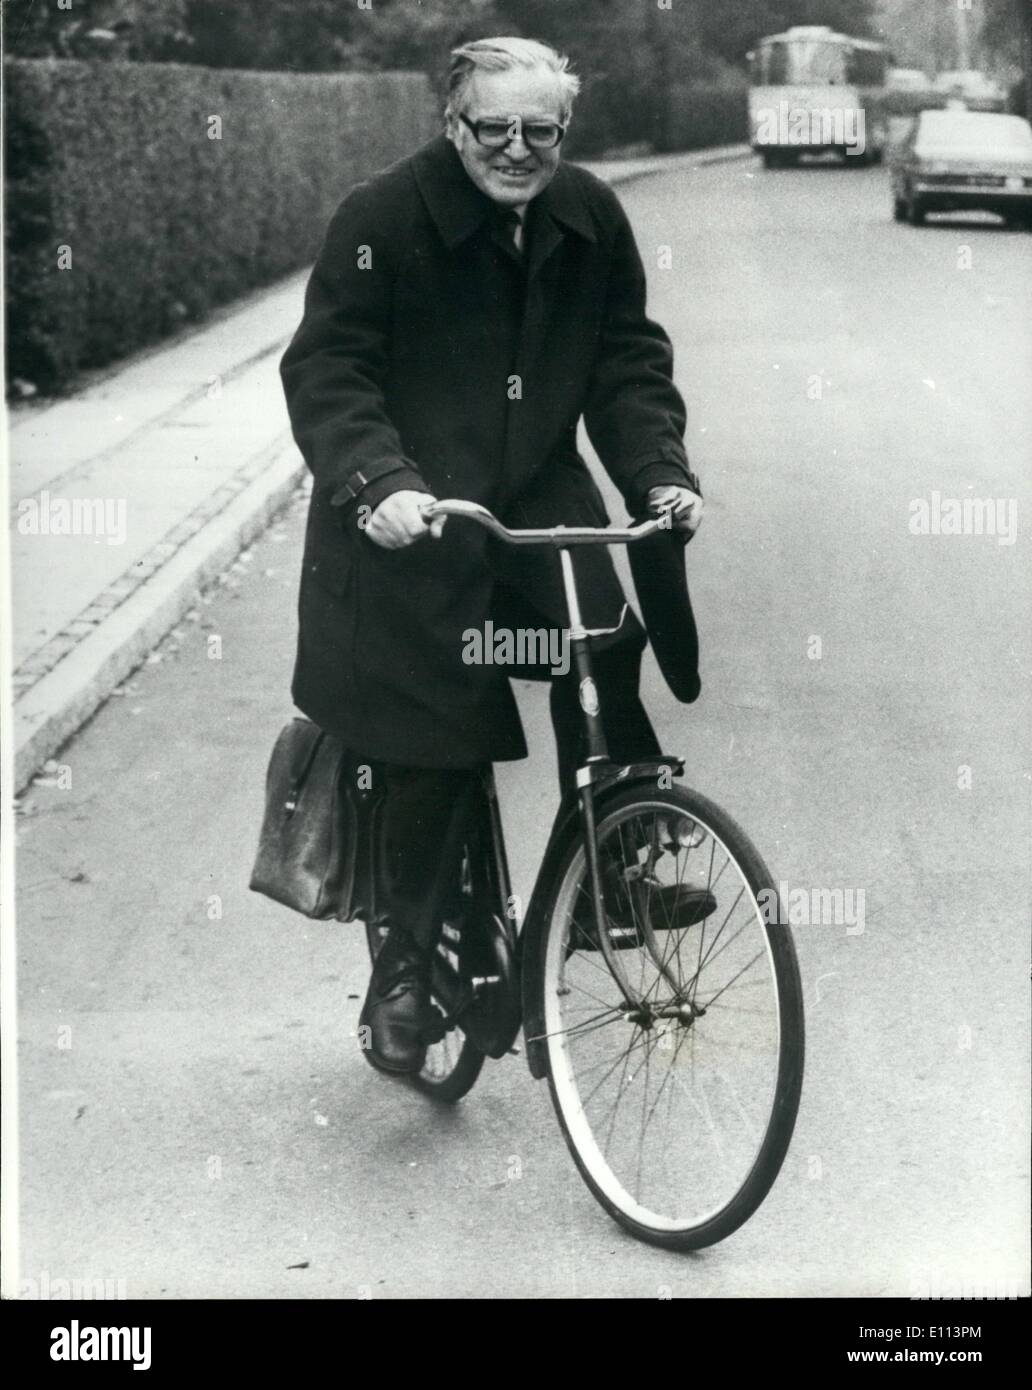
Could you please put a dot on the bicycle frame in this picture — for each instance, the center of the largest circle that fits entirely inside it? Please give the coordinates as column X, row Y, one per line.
column 677, row 1174
column 597, row 776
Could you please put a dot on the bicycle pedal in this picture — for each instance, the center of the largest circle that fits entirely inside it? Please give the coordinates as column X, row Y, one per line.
column 624, row 938
column 690, row 907
column 620, row 938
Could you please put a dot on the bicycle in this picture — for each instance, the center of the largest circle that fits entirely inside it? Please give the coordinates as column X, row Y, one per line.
column 656, row 990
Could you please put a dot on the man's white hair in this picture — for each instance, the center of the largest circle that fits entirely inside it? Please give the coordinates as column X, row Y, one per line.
column 503, row 55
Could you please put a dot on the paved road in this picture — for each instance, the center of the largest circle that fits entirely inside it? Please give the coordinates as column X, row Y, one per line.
column 196, row 1118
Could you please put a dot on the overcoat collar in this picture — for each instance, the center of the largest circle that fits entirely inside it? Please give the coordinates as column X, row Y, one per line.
column 458, row 207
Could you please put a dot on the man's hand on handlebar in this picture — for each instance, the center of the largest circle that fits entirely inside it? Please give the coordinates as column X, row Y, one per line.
column 684, row 506
column 398, row 520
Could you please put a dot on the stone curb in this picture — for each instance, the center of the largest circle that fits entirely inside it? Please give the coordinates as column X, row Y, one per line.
column 61, row 702
column 670, row 164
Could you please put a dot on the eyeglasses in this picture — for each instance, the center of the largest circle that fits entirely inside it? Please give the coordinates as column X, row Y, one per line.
column 496, row 134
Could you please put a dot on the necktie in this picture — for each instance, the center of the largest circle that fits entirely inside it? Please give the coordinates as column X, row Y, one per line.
column 508, row 222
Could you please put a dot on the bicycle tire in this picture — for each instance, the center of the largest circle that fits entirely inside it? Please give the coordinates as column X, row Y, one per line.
column 571, row 1107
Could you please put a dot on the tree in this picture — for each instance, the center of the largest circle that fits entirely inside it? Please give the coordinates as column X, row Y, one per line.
column 732, row 30
column 1007, row 40
column 148, row 29
column 1005, row 25
column 295, row 35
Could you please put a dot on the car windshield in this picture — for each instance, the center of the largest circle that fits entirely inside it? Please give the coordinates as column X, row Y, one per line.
column 982, row 130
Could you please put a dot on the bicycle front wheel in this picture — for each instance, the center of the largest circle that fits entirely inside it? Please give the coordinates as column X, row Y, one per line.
column 678, row 1111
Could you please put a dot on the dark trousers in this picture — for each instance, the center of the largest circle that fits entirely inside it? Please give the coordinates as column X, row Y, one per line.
column 426, row 810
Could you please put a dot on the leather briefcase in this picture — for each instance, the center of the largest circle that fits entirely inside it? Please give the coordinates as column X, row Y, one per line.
column 317, row 849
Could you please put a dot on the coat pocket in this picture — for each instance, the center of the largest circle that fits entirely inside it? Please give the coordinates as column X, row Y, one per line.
column 332, row 572
column 330, row 548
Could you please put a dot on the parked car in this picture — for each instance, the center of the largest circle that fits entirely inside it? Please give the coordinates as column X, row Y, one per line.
column 977, row 91
column 909, row 90
column 959, row 160
column 907, row 80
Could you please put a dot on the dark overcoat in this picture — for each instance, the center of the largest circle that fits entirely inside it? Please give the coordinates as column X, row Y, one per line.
column 431, row 356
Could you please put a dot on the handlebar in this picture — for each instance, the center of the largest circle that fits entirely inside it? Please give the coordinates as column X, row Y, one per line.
column 560, row 536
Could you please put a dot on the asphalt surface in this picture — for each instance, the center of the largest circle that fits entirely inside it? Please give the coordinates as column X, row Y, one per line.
column 196, row 1118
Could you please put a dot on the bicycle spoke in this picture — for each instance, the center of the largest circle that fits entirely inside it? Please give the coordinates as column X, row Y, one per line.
column 619, row 1089
column 642, row 1042
column 600, row 1020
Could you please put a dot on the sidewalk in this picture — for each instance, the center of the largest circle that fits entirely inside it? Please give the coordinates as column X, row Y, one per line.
column 171, row 464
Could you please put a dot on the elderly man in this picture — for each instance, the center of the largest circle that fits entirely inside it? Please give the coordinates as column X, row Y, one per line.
column 469, row 306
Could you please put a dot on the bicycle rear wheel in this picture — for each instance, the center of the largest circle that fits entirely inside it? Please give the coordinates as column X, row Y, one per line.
column 678, row 1113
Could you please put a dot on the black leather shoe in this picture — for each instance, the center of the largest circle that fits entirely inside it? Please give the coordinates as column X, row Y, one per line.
column 669, row 907
column 397, row 1009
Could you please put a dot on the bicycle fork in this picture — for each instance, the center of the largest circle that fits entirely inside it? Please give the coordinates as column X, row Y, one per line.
column 598, row 755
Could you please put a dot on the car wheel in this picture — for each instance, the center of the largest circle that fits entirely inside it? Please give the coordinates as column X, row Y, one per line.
column 916, row 212
column 899, row 209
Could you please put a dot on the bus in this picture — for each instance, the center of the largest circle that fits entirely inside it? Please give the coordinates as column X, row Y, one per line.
column 812, row 90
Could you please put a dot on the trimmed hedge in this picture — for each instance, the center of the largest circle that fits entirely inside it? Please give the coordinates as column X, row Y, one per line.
column 114, row 161
column 611, row 113
column 701, row 116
